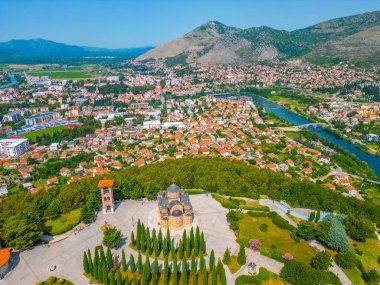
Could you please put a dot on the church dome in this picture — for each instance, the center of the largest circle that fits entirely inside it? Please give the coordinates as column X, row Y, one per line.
column 173, row 188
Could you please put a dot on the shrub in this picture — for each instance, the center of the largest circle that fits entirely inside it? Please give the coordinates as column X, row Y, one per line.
column 272, row 253
column 280, row 222
column 254, row 244
column 287, row 256
column 263, row 227
column 112, row 237
column 39, row 283
column 258, row 214
column 234, row 216
column 322, row 260
column 51, row 280
column 346, row 259
column 337, row 237
column 255, row 279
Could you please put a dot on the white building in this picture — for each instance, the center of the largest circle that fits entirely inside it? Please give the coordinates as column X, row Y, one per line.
column 14, row 147
column 372, row 137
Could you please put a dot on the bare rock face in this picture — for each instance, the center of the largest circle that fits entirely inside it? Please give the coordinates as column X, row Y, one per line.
column 355, row 38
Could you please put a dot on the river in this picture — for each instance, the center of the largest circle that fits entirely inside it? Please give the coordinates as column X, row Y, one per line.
column 372, row 160
column 13, row 79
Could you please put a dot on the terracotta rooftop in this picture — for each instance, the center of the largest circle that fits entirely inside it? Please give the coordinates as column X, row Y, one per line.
column 5, row 255
column 105, row 183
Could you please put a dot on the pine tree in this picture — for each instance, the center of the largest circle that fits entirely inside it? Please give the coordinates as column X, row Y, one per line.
column 100, row 273
column 132, row 264
column 85, row 263
column 184, row 271
column 227, row 257
column 204, row 278
column 109, row 259
column 133, row 240
column 212, row 261
column 213, row 277
column 242, row 258
column 192, row 238
column 105, row 276
column 202, row 243
column 139, row 264
column 156, row 247
column 90, row 264
column 155, row 272
column 166, row 271
column 119, row 279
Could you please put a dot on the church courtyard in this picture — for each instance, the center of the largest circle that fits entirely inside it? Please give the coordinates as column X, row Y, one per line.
column 67, row 254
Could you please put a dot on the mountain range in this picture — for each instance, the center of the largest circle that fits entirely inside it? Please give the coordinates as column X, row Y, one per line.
column 45, row 51
column 354, row 38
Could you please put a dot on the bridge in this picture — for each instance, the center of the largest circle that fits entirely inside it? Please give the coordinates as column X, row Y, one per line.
column 314, row 125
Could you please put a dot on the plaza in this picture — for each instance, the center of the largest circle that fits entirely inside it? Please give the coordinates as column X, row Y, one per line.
column 67, row 254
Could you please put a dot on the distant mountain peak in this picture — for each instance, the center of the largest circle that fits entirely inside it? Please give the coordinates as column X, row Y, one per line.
column 354, row 38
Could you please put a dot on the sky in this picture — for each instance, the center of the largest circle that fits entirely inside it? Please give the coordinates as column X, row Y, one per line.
column 137, row 23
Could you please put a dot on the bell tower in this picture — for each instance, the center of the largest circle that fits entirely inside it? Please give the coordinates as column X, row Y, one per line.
column 105, row 187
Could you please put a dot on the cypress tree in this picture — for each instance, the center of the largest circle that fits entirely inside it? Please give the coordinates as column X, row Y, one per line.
column 204, row 278
column 180, row 250
column 119, row 279
column 123, row 260
column 202, row 243
column 194, row 277
column 90, row 264
column 175, row 272
column 219, row 267
column 196, row 248
column 197, row 236
column 138, row 236
column 102, row 255
column 213, row 277
column 155, row 272
column 223, row 278
column 139, row 264
column 202, row 264
column 156, row 247
column 132, row 264
column 192, row 238
column 242, row 258
column 166, row 271
column 85, row 263
column 105, row 276
column 100, row 272
column 184, row 271
column 112, row 278
column 172, row 251
column 318, row 216
column 148, row 242
column 212, row 261
column 227, row 257
column 193, row 264
column 126, row 280
column 109, row 259
column 160, row 239
column 143, row 238
column 95, row 265
column 146, row 271
column 184, row 241
column 188, row 249
column 168, row 239
column 133, row 240
column 165, row 249
column 134, row 282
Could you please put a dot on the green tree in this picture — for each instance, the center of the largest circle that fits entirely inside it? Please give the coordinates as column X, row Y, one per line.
column 318, row 216
column 166, row 271
column 85, row 263
column 105, row 276
column 132, row 264
column 194, row 277
column 213, row 277
column 346, row 259
column 155, row 271
column 100, row 272
column 90, row 264
column 112, row 237
column 174, row 275
column 192, row 238
column 227, row 257
column 204, row 278
column 188, row 249
column 202, row 264
column 139, row 264
column 202, row 243
column 212, row 260
column 119, row 279
column 123, row 260
column 312, row 217
column 111, row 278
column 322, row 260
column 184, row 272
column 242, row 258
column 109, row 259
column 156, row 247
column 133, row 240
column 146, row 271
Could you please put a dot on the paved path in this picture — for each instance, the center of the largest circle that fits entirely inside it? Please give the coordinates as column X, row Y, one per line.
column 67, row 254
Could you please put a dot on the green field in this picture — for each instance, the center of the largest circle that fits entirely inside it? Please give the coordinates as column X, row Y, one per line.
column 63, row 73
column 32, row 136
column 64, row 223
column 274, row 237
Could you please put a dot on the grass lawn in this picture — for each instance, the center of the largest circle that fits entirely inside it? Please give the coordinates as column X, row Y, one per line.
column 354, row 275
column 249, row 228
column 63, row 223
column 371, row 252
column 274, row 280
column 234, row 266
column 32, row 135
column 63, row 73
column 195, row 191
